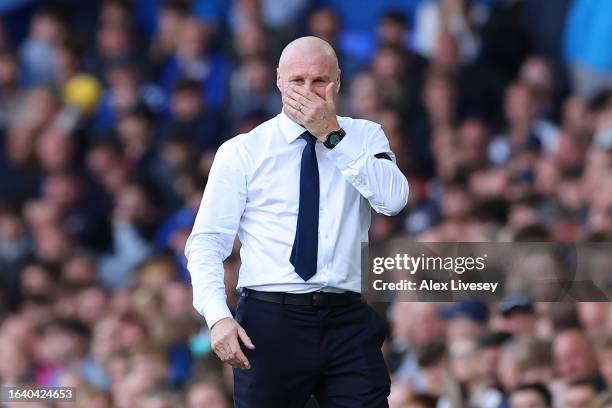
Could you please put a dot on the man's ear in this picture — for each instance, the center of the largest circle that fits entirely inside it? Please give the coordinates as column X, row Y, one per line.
column 278, row 80
column 338, row 82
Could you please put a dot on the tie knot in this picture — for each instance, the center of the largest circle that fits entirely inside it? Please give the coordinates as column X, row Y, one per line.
column 310, row 139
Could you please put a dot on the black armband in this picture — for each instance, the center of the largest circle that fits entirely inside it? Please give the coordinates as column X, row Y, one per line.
column 383, row 156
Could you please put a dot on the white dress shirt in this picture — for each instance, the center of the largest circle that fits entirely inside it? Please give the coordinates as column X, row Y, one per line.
column 253, row 190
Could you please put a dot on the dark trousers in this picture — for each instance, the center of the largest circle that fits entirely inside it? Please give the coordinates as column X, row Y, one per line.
column 331, row 353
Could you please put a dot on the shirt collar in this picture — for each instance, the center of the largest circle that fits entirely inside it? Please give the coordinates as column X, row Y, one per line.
column 290, row 129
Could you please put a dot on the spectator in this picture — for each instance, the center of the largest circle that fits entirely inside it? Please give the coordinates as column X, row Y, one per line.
column 15, row 363
column 604, row 357
column 155, row 398
column 388, row 71
column 534, row 395
column 522, row 124
column 519, row 315
column 463, row 355
column 325, row 23
column 432, row 361
column 409, row 339
column 421, row 401
column 125, row 89
column 393, row 29
column 594, row 317
column 525, row 360
column 47, row 31
column 191, row 118
column 63, row 347
column 206, row 393
column 133, row 226
column 250, row 40
column 574, row 356
column 14, row 253
column 465, row 319
column 489, row 352
column 114, row 42
column 440, row 104
column 171, row 17
column 365, row 96
column 537, row 73
column 194, row 59
column 432, row 20
column 581, row 394
column 9, row 86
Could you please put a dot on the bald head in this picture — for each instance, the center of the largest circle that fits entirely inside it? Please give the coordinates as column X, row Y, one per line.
column 307, row 47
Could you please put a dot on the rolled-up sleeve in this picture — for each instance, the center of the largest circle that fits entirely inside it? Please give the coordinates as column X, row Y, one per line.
column 378, row 179
column 214, row 230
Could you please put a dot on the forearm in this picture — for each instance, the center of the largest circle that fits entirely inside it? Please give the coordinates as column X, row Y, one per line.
column 379, row 180
column 205, row 264
column 385, row 187
column 214, row 230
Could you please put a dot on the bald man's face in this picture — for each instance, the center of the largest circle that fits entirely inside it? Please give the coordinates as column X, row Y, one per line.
column 309, row 72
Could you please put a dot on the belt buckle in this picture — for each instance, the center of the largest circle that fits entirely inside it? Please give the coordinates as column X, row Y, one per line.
column 316, row 297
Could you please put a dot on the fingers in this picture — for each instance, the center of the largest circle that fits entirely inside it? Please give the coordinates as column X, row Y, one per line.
column 222, row 351
column 231, row 353
column 297, row 106
column 292, row 103
column 301, row 96
column 310, row 95
column 300, row 117
column 246, row 340
column 237, row 358
column 316, row 113
column 226, row 345
column 298, row 98
column 329, row 92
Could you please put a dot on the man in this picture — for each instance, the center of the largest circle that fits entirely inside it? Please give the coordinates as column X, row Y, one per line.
column 534, row 395
column 581, row 394
column 519, row 315
column 604, row 357
column 298, row 189
column 206, row 393
column 465, row 319
column 574, row 356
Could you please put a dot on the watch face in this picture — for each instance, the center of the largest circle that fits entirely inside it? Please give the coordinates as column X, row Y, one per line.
column 334, row 139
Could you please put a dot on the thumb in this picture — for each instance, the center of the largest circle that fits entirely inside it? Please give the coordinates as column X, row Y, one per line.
column 245, row 339
column 329, row 92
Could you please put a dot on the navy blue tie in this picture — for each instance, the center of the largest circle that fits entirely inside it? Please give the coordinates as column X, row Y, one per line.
column 304, row 251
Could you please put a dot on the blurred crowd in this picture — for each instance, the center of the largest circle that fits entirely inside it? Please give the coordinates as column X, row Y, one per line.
column 499, row 113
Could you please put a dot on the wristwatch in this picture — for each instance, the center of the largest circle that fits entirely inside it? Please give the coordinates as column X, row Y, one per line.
column 334, row 138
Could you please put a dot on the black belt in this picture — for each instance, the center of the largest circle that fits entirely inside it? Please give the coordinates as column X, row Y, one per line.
column 320, row 299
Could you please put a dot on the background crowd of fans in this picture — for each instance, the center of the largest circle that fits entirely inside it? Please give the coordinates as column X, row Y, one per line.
column 499, row 113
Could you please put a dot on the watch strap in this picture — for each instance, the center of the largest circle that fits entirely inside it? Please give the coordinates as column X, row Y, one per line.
column 333, row 138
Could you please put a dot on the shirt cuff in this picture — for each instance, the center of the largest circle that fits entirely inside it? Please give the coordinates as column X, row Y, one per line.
column 214, row 311
column 346, row 152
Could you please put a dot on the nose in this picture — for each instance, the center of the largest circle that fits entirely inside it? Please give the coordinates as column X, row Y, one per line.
column 308, row 85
